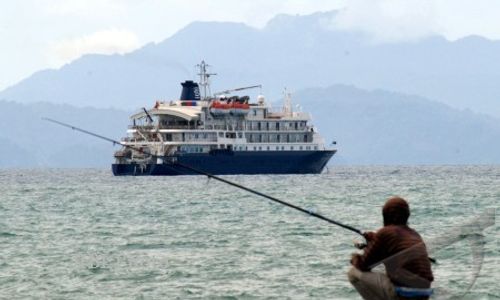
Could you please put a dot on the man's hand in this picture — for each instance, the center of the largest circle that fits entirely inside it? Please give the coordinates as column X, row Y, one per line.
column 369, row 236
column 359, row 245
column 355, row 259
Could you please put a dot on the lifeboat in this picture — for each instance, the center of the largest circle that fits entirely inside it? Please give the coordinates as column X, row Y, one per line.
column 218, row 108
column 239, row 109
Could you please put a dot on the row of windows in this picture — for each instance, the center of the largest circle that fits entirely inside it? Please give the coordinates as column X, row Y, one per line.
column 268, row 148
column 190, row 149
column 251, row 137
column 199, row 149
column 231, row 134
column 276, row 125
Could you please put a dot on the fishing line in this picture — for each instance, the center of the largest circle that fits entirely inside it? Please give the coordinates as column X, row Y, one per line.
column 171, row 161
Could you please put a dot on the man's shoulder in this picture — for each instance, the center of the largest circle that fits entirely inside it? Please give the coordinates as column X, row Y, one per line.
column 388, row 230
column 394, row 231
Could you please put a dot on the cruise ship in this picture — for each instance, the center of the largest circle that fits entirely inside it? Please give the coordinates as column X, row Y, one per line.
column 220, row 134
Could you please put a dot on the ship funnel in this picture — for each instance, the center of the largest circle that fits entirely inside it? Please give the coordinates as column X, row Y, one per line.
column 190, row 90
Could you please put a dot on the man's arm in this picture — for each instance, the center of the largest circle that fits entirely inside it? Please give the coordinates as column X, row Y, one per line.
column 375, row 251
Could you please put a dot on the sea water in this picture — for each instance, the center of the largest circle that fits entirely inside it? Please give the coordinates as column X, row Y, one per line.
column 83, row 233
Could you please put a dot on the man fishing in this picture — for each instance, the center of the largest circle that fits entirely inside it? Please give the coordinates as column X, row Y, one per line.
column 401, row 250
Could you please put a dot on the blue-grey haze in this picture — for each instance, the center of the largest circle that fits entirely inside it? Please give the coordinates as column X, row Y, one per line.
column 28, row 141
column 370, row 127
column 378, row 127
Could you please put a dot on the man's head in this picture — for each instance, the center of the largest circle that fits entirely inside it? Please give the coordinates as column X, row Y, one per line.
column 396, row 211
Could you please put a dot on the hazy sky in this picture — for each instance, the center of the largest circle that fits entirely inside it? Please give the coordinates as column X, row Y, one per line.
column 38, row 34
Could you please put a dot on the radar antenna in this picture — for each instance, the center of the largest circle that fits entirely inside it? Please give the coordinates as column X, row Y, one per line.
column 205, row 78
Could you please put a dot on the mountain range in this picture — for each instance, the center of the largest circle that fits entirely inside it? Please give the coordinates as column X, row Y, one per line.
column 28, row 141
column 290, row 51
column 429, row 101
column 380, row 127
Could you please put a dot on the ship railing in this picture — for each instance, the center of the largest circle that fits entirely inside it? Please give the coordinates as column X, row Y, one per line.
column 281, row 129
column 278, row 113
column 228, row 128
column 141, row 141
column 179, row 127
column 224, row 127
column 196, row 141
column 191, row 142
column 142, row 127
column 131, row 140
column 174, row 142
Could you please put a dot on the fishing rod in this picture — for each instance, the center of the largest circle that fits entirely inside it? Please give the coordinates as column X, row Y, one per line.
column 169, row 161
column 274, row 199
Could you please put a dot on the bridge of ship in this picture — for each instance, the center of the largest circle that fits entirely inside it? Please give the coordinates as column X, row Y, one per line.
column 171, row 117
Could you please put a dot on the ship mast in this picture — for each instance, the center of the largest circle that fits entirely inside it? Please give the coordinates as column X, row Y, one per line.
column 205, row 78
column 287, row 105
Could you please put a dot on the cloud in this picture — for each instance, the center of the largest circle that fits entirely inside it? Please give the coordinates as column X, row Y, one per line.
column 91, row 9
column 389, row 20
column 101, row 42
column 409, row 20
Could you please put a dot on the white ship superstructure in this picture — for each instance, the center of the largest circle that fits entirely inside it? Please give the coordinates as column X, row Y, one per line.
column 223, row 133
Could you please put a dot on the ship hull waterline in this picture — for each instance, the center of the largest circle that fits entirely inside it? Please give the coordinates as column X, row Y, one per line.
column 234, row 163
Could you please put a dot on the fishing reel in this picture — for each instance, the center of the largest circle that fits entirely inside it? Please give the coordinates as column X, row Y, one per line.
column 369, row 236
column 360, row 245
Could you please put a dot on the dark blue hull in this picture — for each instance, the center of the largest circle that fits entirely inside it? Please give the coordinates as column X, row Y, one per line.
column 233, row 163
